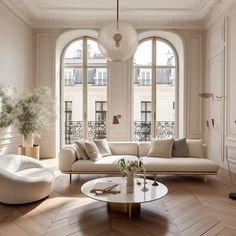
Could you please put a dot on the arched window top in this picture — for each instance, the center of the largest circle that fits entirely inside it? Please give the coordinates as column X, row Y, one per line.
column 74, row 53
column 165, row 55
column 154, row 52
column 74, row 49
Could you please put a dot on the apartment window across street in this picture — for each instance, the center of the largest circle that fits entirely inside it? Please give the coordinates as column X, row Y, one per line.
column 101, row 110
column 68, row 111
column 146, row 110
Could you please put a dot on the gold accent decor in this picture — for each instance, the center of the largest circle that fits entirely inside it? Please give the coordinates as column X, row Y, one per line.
column 29, row 151
column 127, row 208
column 116, row 119
column 205, row 95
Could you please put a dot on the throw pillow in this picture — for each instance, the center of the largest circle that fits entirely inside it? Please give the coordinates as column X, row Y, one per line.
column 161, row 148
column 92, row 151
column 195, row 148
column 81, row 149
column 103, row 147
column 78, row 156
column 180, row 148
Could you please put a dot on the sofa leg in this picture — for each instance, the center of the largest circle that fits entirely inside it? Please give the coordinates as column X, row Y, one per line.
column 205, row 178
column 155, row 181
column 70, row 178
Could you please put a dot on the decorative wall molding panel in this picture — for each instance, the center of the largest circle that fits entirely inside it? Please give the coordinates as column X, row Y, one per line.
column 231, row 154
column 215, row 108
column 194, row 86
column 231, row 81
column 44, row 71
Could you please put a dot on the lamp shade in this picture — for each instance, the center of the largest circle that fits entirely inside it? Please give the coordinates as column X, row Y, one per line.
column 117, row 44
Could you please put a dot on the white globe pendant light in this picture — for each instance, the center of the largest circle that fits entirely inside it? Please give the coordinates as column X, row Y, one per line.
column 117, row 40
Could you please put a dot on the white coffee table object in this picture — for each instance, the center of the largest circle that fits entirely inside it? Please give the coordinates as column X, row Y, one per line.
column 123, row 201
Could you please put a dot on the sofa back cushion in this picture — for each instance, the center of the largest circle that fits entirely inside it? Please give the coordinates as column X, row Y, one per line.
column 126, row 148
column 161, row 148
column 195, row 147
column 81, row 149
column 92, row 151
column 103, row 147
column 180, row 148
column 143, row 149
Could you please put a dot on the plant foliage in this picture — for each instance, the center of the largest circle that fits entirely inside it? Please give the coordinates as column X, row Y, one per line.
column 127, row 166
column 29, row 113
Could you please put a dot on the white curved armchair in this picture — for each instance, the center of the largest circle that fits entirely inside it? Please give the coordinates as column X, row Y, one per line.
column 23, row 179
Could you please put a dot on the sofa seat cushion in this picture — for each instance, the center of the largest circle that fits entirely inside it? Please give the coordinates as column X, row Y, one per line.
column 179, row 164
column 107, row 164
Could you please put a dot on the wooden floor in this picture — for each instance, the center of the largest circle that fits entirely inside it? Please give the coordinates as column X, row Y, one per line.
column 191, row 208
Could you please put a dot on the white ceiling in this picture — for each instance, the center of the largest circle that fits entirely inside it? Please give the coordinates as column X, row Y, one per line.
column 71, row 13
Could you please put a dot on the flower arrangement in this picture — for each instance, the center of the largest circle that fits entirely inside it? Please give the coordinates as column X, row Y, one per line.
column 29, row 113
column 129, row 166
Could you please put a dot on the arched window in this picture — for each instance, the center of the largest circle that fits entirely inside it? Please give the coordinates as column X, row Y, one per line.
column 84, row 91
column 154, row 90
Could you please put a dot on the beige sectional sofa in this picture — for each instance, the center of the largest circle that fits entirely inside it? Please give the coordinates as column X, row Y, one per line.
column 195, row 163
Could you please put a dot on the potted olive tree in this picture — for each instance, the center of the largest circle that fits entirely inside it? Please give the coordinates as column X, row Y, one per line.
column 29, row 113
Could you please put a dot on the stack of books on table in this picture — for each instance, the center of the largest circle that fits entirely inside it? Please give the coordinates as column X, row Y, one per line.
column 105, row 187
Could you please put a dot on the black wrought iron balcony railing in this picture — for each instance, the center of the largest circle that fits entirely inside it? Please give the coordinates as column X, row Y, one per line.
column 98, row 130
column 74, row 130
column 164, row 130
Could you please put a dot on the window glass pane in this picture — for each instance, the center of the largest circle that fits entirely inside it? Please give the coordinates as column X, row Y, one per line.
column 165, row 76
column 97, row 96
column 143, row 106
column 74, row 114
column 165, row 112
column 164, row 54
column 143, row 54
column 142, row 95
column 74, row 54
column 105, row 106
column 95, row 57
column 73, row 76
column 149, row 106
column 142, row 76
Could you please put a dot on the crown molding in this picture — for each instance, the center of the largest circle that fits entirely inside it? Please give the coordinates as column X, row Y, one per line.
column 16, row 12
column 195, row 15
column 219, row 8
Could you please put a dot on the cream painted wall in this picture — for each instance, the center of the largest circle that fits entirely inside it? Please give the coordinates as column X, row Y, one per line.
column 220, row 79
column 15, row 66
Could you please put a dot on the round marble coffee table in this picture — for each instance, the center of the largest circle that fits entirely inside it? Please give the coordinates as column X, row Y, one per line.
column 123, row 201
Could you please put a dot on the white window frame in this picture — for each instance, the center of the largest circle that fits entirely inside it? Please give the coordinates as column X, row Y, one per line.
column 153, row 67
column 85, row 67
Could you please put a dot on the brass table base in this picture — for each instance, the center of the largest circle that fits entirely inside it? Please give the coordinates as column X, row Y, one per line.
column 127, row 208
column 29, row 151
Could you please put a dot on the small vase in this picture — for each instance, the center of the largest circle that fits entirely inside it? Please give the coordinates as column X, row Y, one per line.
column 130, row 182
column 28, row 141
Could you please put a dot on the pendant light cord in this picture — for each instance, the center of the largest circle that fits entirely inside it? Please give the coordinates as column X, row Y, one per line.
column 117, row 15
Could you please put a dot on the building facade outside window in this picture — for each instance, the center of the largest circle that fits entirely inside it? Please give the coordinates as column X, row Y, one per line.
column 101, row 111
column 146, row 110
column 85, row 83
column 68, row 111
column 154, row 75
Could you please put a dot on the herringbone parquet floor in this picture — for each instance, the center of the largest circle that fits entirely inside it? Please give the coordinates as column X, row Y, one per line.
column 191, row 208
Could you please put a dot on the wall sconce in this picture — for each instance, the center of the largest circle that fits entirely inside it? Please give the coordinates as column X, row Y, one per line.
column 218, row 98
column 205, row 95
column 116, row 119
